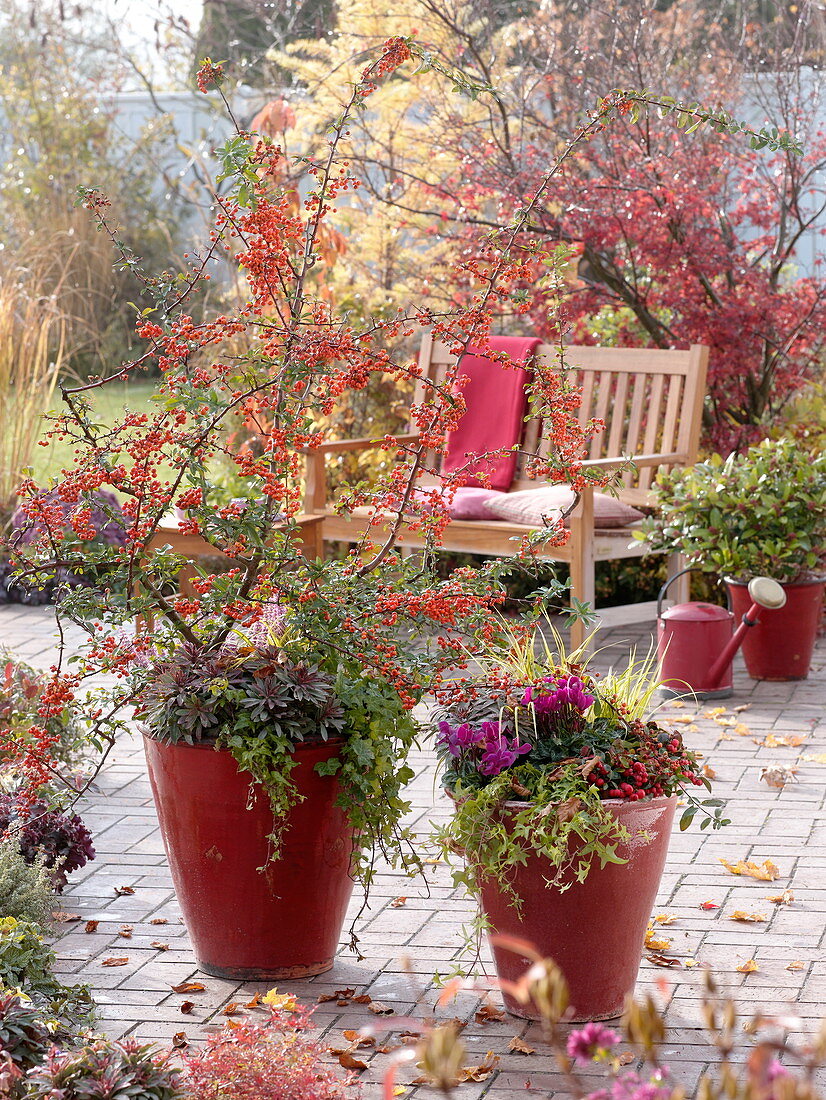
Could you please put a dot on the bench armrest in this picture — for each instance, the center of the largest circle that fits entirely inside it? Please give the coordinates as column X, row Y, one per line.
column 639, row 460
column 315, row 485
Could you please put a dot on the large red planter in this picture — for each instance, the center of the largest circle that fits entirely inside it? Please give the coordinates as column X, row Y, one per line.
column 780, row 646
column 250, row 917
column 595, row 930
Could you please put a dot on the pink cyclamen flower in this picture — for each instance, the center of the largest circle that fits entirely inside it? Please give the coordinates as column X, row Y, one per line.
column 589, row 1040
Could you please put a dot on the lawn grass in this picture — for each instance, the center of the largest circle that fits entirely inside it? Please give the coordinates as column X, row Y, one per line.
column 108, row 403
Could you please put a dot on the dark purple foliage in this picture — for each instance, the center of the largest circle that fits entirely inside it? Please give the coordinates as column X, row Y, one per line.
column 61, row 839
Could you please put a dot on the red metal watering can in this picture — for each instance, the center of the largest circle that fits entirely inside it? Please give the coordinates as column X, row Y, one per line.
column 697, row 641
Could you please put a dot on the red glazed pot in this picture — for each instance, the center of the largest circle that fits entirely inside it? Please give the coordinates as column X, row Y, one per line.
column 595, row 930
column 780, row 646
column 250, row 918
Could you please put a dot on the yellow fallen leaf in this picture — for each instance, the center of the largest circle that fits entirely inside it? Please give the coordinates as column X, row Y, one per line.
column 815, row 757
column 665, row 918
column 748, row 967
column 742, row 729
column 689, row 962
column 726, row 721
column 767, row 872
column 714, row 712
column 755, row 918
column 741, row 708
column 399, row 1090
column 792, row 741
column 786, row 898
column 275, row 999
column 795, row 965
column 655, row 944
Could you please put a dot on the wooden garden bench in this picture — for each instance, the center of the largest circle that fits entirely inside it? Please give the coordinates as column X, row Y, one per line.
column 651, row 402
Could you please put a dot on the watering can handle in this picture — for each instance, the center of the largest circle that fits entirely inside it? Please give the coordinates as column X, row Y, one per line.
column 666, row 586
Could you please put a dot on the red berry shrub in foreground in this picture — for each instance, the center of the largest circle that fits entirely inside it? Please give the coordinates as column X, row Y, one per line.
column 272, row 1059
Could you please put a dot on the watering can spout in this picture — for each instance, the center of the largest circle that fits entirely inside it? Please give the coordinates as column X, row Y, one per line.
column 765, row 593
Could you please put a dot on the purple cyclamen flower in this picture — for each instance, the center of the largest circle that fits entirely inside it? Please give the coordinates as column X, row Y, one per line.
column 499, row 752
column 587, row 1041
column 459, row 739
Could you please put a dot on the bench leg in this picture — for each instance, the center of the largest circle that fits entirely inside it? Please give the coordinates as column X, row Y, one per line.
column 582, row 565
column 680, row 590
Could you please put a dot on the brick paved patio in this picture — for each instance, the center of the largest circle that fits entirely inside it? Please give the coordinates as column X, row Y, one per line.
column 405, row 945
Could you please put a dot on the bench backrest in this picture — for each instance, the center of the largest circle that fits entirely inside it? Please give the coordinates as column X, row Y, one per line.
column 651, row 400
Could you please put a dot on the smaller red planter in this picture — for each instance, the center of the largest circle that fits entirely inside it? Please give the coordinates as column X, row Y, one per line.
column 780, row 646
column 595, row 930
column 250, row 917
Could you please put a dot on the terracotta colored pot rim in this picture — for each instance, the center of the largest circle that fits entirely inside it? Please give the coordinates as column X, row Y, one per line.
column 516, row 806
column 784, row 584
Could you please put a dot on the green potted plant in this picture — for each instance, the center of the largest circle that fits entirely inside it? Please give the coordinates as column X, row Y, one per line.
column 760, row 513
column 564, row 794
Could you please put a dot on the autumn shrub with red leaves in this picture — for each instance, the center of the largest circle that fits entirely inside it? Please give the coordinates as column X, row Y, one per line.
column 275, row 1058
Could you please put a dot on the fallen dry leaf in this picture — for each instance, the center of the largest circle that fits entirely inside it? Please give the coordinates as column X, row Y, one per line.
column 159, row 920
column 689, row 963
column 519, row 1046
column 180, row 1040
column 714, row 712
column 187, row 1007
column 663, row 960
column 795, row 965
column 254, row 1002
column 767, row 872
column 741, row 708
column 777, row 775
column 792, row 741
column 815, row 757
column 626, row 1058
column 665, row 918
column 786, row 898
column 362, row 999
column 727, row 721
column 91, row 926
column 482, row 1071
column 709, row 772
column 338, row 995
column 709, row 905
column 654, row 943
column 347, row 1060
column 159, row 946
column 358, row 1039
column 126, row 931
column 380, row 1009
column 397, row 903
column 488, row 1013
column 742, row 730
column 230, row 1009
column 115, row 962
column 121, row 890
column 188, row 987
column 432, row 862
column 748, row 967
column 62, row 917
column 740, row 915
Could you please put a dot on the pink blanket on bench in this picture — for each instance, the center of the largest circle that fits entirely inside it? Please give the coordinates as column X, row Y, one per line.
column 496, row 399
